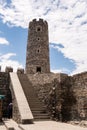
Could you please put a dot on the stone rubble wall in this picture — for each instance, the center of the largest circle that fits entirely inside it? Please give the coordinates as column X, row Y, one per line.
column 43, row 83
column 37, row 55
column 71, row 94
column 68, row 100
column 65, row 96
column 20, row 71
column 56, row 92
column 4, row 90
column 79, row 85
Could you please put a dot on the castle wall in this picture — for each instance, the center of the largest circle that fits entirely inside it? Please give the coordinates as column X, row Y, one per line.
column 70, row 95
column 79, row 85
column 56, row 92
column 68, row 98
column 4, row 90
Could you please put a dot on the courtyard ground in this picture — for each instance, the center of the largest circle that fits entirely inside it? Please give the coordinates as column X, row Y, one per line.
column 40, row 125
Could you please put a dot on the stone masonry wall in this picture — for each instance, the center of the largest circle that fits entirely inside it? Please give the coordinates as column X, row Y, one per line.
column 37, row 56
column 4, row 90
column 79, row 85
column 43, row 83
column 64, row 96
column 68, row 100
column 56, row 92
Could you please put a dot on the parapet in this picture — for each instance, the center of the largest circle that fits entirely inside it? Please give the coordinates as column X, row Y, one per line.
column 20, row 71
column 8, row 69
column 38, row 22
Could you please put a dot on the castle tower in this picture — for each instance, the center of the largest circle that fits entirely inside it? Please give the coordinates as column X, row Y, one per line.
column 37, row 58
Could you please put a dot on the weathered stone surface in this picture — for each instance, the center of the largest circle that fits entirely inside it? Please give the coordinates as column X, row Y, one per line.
column 8, row 69
column 20, row 71
column 57, row 101
column 37, row 57
column 70, row 94
column 70, row 97
column 79, row 85
column 4, row 90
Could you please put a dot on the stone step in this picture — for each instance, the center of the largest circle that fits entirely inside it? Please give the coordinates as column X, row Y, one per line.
column 41, row 117
column 36, row 111
column 39, row 114
column 32, row 98
column 37, row 108
column 11, row 125
column 35, row 100
column 37, row 105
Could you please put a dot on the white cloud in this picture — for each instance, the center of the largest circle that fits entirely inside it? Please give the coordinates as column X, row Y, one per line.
column 67, row 23
column 5, row 60
column 3, row 41
column 7, row 56
column 62, row 70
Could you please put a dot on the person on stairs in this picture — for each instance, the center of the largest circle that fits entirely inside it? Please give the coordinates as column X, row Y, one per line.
column 10, row 110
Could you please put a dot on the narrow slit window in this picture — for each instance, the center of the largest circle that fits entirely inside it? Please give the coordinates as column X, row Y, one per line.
column 38, row 51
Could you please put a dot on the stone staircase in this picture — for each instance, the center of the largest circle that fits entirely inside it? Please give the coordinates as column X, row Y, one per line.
column 37, row 108
column 21, row 110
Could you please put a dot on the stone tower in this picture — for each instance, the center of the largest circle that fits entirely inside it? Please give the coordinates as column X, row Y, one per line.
column 37, row 58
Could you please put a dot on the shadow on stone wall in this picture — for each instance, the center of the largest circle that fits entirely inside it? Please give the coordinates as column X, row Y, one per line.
column 60, row 100
column 68, row 100
column 4, row 90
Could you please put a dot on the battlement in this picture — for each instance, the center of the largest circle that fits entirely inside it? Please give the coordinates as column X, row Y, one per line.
column 9, row 69
column 38, row 22
column 20, row 71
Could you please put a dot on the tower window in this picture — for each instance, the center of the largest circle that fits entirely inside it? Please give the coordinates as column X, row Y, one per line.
column 38, row 51
column 38, row 39
column 38, row 69
column 38, row 28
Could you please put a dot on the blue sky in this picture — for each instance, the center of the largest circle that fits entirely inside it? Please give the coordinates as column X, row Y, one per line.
column 67, row 20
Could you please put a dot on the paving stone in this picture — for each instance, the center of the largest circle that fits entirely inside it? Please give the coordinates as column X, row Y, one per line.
column 50, row 125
